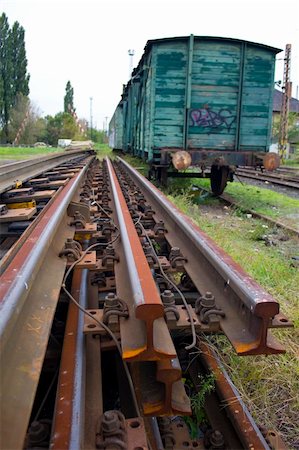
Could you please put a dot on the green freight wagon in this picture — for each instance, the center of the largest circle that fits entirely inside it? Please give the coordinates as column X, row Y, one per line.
column 202, row 102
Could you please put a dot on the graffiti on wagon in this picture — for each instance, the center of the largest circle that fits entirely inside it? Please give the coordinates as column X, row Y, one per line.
column 205, row 117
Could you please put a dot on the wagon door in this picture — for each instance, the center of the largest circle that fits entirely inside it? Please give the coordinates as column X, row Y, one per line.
column 170, row 84
column 257, row 98
column 215, row 87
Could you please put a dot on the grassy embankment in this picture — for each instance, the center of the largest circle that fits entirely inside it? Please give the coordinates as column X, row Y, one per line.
column 263, row 201
column 269, row 385
column 16, row 153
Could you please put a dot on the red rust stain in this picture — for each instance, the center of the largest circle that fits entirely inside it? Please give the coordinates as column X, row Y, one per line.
column 152, row 306
column 264, row 297
column 12, row 271
column 65, row 390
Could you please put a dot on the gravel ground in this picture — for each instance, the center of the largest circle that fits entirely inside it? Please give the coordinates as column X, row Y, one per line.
column 6, row 161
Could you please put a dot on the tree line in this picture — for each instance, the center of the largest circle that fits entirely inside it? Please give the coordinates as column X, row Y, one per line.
column 14, row 79
column 20, row 120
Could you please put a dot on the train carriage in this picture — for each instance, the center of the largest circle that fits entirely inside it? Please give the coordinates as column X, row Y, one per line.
column 199, row 101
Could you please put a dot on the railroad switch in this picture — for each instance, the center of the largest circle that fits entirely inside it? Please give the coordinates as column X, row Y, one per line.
column 149, row 254
column 79, row 220
column 107, row 229
column 206, row 307
column 98, row 278
column 39, row 434
column 117, row 432
column 27, row 204
column 148, row 212
column 176, row 436
column 109, row 258
column 214, row 440
column 159, row 229
column 114, row 308
column 112, row 431
column 72, row 250
column 176, row 259
column 18, row 184
column 3, row 210
column 171, row 312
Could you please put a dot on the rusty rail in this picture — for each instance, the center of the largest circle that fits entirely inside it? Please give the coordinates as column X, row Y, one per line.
column 144, row 334
column 147, row 306
column 124, row 271
column 29, row 294
column 69, row 416
column 232, row 404
column 291, row 182
column 21, row 171
column 248, row 308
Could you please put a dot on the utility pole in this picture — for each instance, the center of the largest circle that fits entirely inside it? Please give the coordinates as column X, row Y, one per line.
column 106, row 124
column 90, row 98
column 131, row 54
column 285, row 105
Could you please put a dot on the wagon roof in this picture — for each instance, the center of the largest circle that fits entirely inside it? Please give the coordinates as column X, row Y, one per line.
column 215, row 38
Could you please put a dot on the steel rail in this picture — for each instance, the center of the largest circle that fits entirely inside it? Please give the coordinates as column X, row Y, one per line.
column 271, row 179
column 29, row 292
column 248, row 308
column 69, row 417
column 22, row 171
column 278, row 173
column 231, row 202
column 151, row 339
column 227, row 199
column 231, row 403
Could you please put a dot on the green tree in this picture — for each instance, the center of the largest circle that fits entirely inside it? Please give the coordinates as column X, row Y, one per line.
column 69, row 98
column 98, row 136
column 6, row 71
column 293, row 128
column 19, row 61
column 61, row 126
column 13, row 69
column 24, row 112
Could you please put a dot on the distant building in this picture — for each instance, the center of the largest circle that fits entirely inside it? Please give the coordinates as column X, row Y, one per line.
column 277, row 102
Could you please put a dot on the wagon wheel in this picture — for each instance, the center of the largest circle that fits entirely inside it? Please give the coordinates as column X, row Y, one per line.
column 219, row 176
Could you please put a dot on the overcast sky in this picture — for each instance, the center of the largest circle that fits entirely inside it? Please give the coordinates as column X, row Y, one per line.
column 87, row 41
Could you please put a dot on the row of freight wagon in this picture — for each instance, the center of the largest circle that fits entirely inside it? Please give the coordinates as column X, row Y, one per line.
column 198, row 103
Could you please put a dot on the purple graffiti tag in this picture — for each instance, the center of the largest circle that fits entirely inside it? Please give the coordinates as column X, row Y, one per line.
column 208, row 118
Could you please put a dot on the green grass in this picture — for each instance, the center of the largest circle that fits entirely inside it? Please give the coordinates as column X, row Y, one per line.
column 25, row 152
column 260, row 200
column 138, row 163
column 103, row 150
column 199, row 418
column 291, row 162
column 268, row 385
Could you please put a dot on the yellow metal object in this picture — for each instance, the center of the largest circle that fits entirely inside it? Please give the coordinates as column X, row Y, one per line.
column 82, row 237
column 31, row 204
column 18, row 184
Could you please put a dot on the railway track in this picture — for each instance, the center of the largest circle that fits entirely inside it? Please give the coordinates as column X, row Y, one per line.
column 289, row 179
column 228, row 200
column 109, row 298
